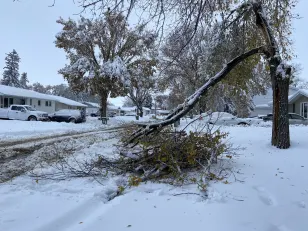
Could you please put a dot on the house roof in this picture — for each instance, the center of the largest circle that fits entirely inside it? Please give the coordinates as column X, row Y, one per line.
column 19, row 92
column 134, row 108
column 299, row 93
column 66, row 101
column 262, row 106
column 14, row 91
column 91, row 104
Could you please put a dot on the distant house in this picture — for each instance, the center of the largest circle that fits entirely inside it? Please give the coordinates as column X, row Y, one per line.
column 91, row 107
column 39, row 101
column 126, row 110
column 298, row 102
column 159, row 111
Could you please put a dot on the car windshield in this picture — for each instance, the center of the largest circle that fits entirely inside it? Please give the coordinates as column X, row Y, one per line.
column 30, row 108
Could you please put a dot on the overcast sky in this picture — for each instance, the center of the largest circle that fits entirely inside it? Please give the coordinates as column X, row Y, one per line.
column 29, row 27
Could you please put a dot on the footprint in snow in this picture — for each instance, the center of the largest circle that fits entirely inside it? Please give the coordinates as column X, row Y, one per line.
column 278, row 228
column 265, row 197
column 301, row 204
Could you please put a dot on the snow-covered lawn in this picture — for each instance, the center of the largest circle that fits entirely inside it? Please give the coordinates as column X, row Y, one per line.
column 272, row 197
column 16, row 129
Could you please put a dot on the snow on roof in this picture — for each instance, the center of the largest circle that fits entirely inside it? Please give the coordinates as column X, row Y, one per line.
column 128, row 108
column 19, row 92
column 67, row 101
column 262, row 106
column 294, row 97
column 92, row 104
column 14, row 91
column 112, row 107
column 118, row 101
column 134, row 108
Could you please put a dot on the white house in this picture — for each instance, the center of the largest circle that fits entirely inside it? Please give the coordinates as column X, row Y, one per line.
column 298, row 102
column 43, row 102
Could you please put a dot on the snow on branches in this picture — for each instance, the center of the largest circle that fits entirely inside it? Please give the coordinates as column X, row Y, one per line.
column 101, row 51
column 284, row 70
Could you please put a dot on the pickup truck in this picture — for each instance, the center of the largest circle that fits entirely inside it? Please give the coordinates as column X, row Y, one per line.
column 22, row 112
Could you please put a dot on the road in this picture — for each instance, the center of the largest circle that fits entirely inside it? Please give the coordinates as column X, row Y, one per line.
column 20, row 156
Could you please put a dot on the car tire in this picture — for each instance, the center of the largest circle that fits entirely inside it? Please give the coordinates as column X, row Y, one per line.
column 32, row 118
column 72, row 120
column 242, row 124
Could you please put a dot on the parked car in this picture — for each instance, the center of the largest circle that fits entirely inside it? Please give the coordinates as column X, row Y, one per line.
column 98, row 113
column 95, row 114
column 224, row 118
column 22, row 112
column 68, row 115
column 293, row 119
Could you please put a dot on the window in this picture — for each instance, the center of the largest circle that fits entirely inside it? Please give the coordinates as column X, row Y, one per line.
column 6, row 103
column 17, row 108
column 11, row 101
column 304, row 110
column 1, row 102
column 48, row 103
column 22, row 102
column 30, row 101
column 39, row 103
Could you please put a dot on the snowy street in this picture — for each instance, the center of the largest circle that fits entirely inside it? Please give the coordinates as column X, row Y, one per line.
column 268, row 191
column 11, row 130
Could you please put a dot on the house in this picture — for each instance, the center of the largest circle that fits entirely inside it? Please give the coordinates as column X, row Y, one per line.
column 42, row 102
column 159, row 111
column 298, row 102
column 126, row 110
column 91, row 107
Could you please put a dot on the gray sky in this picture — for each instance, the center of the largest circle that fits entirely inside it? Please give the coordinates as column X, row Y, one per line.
column 29, row 27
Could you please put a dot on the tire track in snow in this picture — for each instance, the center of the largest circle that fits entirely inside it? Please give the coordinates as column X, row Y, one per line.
column 265, row 197
column 73, row 217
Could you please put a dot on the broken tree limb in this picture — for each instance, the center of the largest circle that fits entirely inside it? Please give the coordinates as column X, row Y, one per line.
column 191, row 101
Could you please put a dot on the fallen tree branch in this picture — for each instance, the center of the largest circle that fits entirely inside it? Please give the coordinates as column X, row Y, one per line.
column 191, row 101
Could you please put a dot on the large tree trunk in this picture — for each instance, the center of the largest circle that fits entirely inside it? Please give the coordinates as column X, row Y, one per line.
column 280, row 128
column 103, row 98
column 139, row 109
column 280, row 82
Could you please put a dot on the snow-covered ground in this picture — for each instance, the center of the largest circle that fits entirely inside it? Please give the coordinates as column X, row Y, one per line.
column 16, row 129
column 268, row 192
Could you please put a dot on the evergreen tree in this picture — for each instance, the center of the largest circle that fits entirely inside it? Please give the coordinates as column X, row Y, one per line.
column 11, row 70
column 24, row 80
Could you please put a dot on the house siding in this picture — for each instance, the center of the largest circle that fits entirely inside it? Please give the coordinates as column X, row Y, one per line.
column 42, row 107
column 60, row 106
column 291, row 108
column 298, row 102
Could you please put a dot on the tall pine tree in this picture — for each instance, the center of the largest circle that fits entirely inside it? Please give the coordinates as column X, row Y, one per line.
column 11, row 70
column 24, row 80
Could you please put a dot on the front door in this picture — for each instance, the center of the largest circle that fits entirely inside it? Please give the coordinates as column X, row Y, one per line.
column 304, row 110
